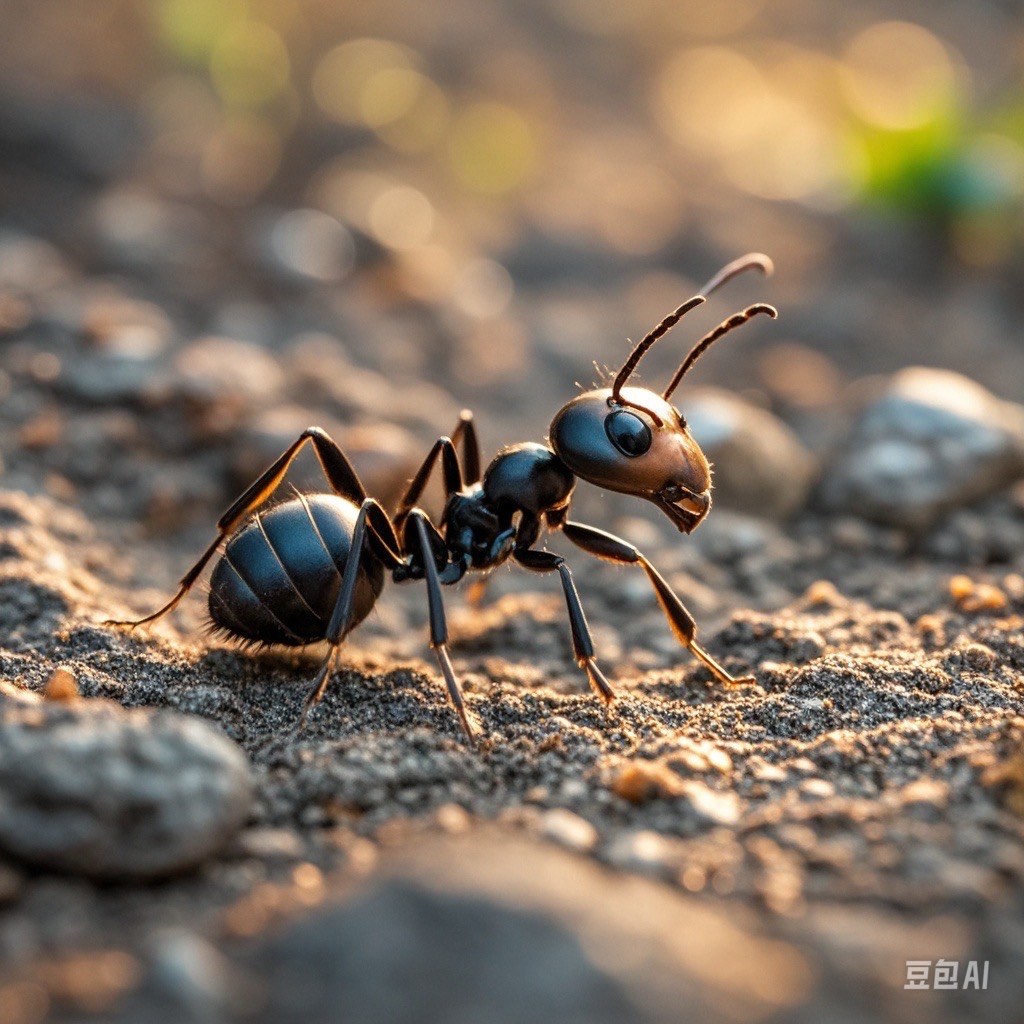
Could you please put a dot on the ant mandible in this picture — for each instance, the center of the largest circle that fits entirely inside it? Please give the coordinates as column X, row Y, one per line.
column 310, row 568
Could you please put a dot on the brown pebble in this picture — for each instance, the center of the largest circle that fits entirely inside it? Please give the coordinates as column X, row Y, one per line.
column 823, row 592
column 642, row 781
column 1007, row 777
column 960, row 587
column 42, row 431
column 928, row 624
column 978, row 657
column 61, row 686
column 976, row 597
column 1013, row 585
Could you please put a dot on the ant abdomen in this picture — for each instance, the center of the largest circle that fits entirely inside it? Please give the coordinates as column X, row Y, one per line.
column 277, row 581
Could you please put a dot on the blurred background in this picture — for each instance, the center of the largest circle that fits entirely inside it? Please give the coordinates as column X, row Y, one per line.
column 223, row 221
column 233, row 217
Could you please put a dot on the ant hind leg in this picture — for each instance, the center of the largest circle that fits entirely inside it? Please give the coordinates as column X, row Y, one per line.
column 372, row 536
column 340, row 475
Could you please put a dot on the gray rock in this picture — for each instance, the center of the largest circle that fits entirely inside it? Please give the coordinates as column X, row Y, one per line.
column 760, row 465
column 222, row 381
column 187, row 981
column 406, row 954
column 113, row 377
column 89, row 788
column 303, row 245
column 934, row 440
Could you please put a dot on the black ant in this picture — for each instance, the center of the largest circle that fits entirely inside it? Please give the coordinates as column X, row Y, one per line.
column 310, row 568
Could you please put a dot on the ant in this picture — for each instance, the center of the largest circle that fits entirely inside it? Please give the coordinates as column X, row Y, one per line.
column 310, row 568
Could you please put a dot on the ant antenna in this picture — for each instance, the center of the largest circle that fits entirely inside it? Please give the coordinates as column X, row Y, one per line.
column 736, row 320
column 752, row 261
column 640, row 351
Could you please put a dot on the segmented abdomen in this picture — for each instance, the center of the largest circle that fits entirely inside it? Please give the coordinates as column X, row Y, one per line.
column 278, row 578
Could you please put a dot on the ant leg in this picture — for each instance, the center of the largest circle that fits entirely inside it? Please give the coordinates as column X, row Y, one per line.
column 582, row 642
column 438, row 623
column 340, row 475
column 444, row 447
column 372, row 536
column 615, row 549
column 466, row 433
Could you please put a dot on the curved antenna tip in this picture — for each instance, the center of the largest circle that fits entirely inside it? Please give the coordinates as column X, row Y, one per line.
column 763, row 263
column 752, row 261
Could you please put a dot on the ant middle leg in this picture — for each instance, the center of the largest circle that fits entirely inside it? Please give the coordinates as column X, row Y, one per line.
column 451, row 469
column 419, row 532
column 466, row 433
column 337, row 469
column 582, row 642
column 615, row 549
column 457, row 472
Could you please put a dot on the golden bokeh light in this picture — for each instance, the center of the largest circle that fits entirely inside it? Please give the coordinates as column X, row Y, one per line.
column 362, row 76
column 718, row 104
column 401, row 217
column 702, row 97
column 494, row 149
column 376, row 84
column 898, row 76
column 249, row 65
column 192, row 27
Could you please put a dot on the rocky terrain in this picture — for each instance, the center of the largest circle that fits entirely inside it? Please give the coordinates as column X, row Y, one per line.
column 222, row 223
column 780, row 850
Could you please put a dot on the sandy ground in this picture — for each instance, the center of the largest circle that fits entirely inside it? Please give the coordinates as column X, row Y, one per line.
column 857, row 808
column 170, row 322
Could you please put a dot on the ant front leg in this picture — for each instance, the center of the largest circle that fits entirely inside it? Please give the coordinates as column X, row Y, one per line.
column 582, row 642
column 340, row 475
column 615, row 549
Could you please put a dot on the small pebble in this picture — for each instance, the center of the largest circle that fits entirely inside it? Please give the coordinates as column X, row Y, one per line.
column 644, row 850
column 710, row 806
column 639, row 782
column 934, row 440
column 976, row 597
column 761, row 466
column 89, row 788
column 61, row 686
column 569, row 830
column 817, row 789
column 823, row 593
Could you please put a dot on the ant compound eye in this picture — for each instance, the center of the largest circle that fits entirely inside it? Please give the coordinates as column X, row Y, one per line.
column 628, row 433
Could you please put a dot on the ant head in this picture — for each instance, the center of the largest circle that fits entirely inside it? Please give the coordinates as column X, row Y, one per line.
column 634, row 441
column 638, row 445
